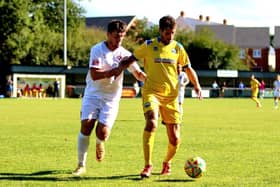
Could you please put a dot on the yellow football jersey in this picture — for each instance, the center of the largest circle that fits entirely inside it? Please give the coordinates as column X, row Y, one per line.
column 254, row 84
column 160, row 65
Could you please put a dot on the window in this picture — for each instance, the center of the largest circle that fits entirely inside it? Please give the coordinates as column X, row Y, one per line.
column 242, row 54
column 257, row 53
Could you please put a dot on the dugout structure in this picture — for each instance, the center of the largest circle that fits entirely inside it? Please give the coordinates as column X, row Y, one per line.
column 20, row 80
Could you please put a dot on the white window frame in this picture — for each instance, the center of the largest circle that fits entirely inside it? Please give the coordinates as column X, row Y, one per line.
column 242, row 53
column 257, row 53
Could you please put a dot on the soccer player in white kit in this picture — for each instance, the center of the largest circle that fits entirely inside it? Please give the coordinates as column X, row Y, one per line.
column 103, row 91
column 183, row 81
column 276, row 91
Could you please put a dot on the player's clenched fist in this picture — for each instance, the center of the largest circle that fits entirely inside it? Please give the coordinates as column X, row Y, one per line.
column 126, row 61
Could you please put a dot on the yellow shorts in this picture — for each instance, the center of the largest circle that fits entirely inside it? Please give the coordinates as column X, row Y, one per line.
column 167, row 107
column 255, row 93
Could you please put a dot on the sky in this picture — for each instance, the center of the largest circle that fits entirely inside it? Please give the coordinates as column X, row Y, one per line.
column 240, row 13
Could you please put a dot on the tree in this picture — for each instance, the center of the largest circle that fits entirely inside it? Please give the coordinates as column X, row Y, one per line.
column 204, row 51
column 31, row 32
column 15, row 36
column 15, row 32
column 80, row 42
column 207, row 53
column 48, row 46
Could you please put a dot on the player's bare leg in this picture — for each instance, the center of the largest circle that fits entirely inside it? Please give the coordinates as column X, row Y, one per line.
column 102, row 134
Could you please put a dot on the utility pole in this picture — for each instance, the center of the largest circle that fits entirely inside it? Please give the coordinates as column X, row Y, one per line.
column 65, row 32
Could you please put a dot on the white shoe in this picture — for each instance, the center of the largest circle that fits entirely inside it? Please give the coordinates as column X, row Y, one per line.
column 100, row 151
column 79, row 170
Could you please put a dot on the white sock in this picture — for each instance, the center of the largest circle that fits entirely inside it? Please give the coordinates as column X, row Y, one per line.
column 98, row 141
column 83, row 143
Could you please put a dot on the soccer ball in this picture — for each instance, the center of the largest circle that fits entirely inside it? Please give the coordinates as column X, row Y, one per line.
column 195, row 167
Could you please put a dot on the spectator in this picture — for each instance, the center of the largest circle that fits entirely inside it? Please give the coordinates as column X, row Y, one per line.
column 215, row 88
column 27, row 91
column 34, row 90
column 56, row 86
column 241, row 87
column 49, row 91
column 9, row 88
column 19, row 92
column 41, row 90
column 223, row 87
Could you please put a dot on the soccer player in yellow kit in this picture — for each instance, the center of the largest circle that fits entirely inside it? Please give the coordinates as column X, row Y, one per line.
column 161, row 57
column 255, row 90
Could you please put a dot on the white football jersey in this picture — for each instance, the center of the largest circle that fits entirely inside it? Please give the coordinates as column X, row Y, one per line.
column 183, row 80
column 276, row 85
column 104, row 59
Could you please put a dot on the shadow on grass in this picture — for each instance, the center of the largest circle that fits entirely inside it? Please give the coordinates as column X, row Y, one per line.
column 176, row 180
column 50, row 176
column 168, row 180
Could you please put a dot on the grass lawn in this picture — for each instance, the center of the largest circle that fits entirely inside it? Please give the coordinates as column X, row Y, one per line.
column 239, row 142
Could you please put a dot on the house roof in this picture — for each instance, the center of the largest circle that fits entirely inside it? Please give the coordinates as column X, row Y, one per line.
column 244, row 37
column 102, row 22
column 252, row 37
column 277, row 37
column 192, row 23
column 222, row 32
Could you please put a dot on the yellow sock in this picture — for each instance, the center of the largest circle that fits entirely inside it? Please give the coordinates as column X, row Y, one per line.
column 148, row 144
column 171, row 152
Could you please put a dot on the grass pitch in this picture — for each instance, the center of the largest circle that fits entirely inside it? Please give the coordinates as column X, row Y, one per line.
column 239, row 143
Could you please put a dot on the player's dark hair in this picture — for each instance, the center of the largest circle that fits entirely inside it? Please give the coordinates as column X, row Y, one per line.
column 167, row 22
column 116, row 25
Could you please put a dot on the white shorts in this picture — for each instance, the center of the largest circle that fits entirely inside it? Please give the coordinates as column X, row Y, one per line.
column 276, row 93
column 104, row 111
column 181, row 96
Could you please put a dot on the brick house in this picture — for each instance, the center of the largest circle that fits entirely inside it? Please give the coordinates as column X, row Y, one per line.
column 254, row 42
column 277, row 48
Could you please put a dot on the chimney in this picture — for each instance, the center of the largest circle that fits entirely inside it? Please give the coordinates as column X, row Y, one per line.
column 207, row 19
column 224, row 21
column 200, row 17
column 182, row 13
